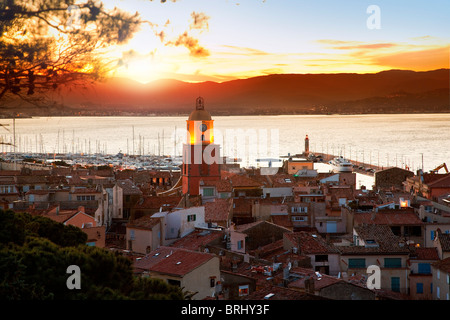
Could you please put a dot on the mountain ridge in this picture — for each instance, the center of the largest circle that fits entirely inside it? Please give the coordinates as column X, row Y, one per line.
column 266, row 94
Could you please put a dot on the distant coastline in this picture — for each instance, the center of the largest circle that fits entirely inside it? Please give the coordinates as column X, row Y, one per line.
column 21, row 115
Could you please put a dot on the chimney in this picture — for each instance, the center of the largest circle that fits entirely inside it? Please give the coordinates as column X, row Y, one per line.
column 81, row 208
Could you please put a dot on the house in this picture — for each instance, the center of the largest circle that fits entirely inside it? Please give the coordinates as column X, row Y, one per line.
column 8, row 189
column 247, row 237
column 80, row 219
column 324, row 257
column 75, row 217
column 391, row 178
column 236, row 285
column 200, row 240
column 293, row 165
column 377, row 245
column 148, row 205
column 144, row 234
column 403, row 223
column 326, row 286
column 244, row 186
column 441, row 279
column 219, row 212
column 25, row 183
column 430, row 231
column 180, row 222
column 442, row 244
column 212, row 189
column 420, row 276
column 243, row 210
column 198, row 273
column 131, row 195
column 428, row 185
column 37, row 195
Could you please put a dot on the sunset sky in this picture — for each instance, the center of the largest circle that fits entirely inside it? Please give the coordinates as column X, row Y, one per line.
column 220, row 40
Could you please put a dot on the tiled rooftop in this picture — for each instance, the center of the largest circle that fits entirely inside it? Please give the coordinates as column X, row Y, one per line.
column 310, row 243
column 172, row 261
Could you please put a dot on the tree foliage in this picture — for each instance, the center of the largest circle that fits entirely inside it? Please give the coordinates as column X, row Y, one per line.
column 35, row 253
column 48, row 43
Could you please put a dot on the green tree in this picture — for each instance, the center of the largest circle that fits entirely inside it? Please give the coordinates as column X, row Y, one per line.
column 35, row 253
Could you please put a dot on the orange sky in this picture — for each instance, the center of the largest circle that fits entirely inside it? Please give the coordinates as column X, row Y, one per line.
column 222, row 40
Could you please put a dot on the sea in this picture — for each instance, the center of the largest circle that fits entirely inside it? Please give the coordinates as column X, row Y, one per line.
column 413, row 141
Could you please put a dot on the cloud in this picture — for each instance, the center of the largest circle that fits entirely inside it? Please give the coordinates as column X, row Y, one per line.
column 366, row 46
column 426, row 59
column 355, row 45
column 245, row 51
column 191, row 43
column 199, row 21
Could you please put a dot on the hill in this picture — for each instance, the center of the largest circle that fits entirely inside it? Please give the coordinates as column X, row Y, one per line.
column 399, row 91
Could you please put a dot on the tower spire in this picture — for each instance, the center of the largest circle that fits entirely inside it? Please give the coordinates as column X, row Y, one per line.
column 199, row 104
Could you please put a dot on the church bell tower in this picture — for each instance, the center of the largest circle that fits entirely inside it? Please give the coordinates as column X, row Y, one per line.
column 200, row 154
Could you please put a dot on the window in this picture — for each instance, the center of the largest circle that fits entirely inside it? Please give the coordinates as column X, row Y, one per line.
column 212, row 282
column 321, row 257
column 424, row 268
column 432, row 234
column 438, row 274
column 174, row 282
column 243, row 290
column 392, row 262
column 191, row 217
column 395, row 284
column 297, row 218
column 208, row 192
column 132, row 234
column 240, row 244
column 438, row 292
column 419, row 287
column 356, row 263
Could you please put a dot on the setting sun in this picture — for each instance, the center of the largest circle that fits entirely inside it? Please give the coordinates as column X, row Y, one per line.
column 204, row 41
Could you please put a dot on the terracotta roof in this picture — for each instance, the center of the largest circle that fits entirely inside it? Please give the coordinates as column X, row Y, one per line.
column 383, row 237
column 223, row 185
column 443, row 182
column 270, row 292
column 443, row 265
column 31, row 179
column 304, row 273
column 423, row 253
column 388, row 217
column 84, row 190
column 241, row 181
column 96, row 234
column 310, row 243
column 196, row 239
column 282, row 220
column 129, row 188
column 444, row 239
column 242, row 206
column 172, row 261
column 218, row 210
column 145, row 222
column 38, row 192
column 156, row 202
